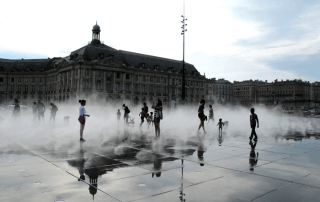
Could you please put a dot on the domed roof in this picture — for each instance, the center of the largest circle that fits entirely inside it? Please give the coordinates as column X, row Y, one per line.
column 96, row 28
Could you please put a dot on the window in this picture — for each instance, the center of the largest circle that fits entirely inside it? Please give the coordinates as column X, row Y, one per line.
column 98, row 85
column 144, row 78
column 201, row 91
column 201, row 84
column 136, row 88
column 118, row 75
column 173, row 81
column 164, row 80
column 173, row 91
column 40, row 88
column 143, row 88
column 33, row 88
column 19, row 88
column 127, row 87
column 158, row 89
column 11, row 88
column 1, row 79
column 26, row 80
column 98, row 73
column 191, row 83
column 196, row 83
column 118, row 87
column 19, row 80
column 151, row 79
column 33, row 79
column 1, row 87
column 197, row 92
column 108, row 85
column 179, row 81
column 127, row 76
column 86, row 72
column 191, row 91
column 12, row 80
column 151, row 89
column 26, row 88
column 41, row 79
column 136, row 77
column 158, row 80
column 165, row 90
column 86, row 84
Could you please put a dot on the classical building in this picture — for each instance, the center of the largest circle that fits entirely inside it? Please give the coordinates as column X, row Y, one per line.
column 246, row 92
column 98, row 72
column 219, row 91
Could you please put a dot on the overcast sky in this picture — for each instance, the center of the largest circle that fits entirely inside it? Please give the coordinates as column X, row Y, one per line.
column 235, row 40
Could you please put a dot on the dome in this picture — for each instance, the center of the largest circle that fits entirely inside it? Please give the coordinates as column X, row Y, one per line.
column 96, row 28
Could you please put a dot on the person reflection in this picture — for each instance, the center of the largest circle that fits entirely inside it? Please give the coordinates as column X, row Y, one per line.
column 220, row 138
column 253, row 159
column 157, row 165
column 81, row 163
column 201, row 149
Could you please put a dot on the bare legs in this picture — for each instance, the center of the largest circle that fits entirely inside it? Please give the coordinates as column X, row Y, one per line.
column 157, row 128
column 81, row 130
column 201, row 125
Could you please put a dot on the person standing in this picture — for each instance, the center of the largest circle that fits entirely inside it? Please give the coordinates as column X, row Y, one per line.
column 201, row 115
column 82, row 117
column 157, row 106
column 41, row 109
column 53, row 112
column 16, row 109
column 118, row 115
column 254, row 121
column 34, row 111
column 210, row 114
column 126, row 113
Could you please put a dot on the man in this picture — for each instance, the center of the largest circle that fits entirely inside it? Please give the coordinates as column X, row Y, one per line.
column 253, row 122
column 53, row 112
column 41, row 109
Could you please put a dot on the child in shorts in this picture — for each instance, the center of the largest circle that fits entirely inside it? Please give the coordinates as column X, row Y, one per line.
column 143, row 115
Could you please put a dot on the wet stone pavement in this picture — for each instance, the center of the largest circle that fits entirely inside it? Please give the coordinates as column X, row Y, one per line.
column 144, row 169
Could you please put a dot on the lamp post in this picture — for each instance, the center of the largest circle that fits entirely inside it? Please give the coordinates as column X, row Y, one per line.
column 183, row 33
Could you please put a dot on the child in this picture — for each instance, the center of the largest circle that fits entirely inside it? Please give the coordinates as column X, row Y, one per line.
column 210, row 114
column 150, row 119
column 118, row 115
column 201, row 115
column 142, row 114
column 220, row 123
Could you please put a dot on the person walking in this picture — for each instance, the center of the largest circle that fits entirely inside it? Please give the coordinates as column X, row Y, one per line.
column 158, row 115
column 118, row 115
column 53, row 112
column 82, row 117
column 201, row 115
column 254, row 121
column 41, row 109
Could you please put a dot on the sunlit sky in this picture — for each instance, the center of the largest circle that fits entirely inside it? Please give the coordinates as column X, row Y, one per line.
column 235, row 40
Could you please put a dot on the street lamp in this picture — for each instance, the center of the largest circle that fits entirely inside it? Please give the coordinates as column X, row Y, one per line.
column 183, row 33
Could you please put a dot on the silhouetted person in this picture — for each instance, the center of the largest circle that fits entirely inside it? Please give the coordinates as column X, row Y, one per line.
column 211, row 117
column 41, row 109
column 126, row 113
column 254, row 121
column 157, row 106
column 53, row 112
column 145, row 108
column 82, row 116
column 253, row 159
column 143, row 115
column 220, row 124
column 34, row 111
column 118, row 115
column 201, row 115
column 16, row 109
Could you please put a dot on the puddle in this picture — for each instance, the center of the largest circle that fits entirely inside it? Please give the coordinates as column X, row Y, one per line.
column 142, row 185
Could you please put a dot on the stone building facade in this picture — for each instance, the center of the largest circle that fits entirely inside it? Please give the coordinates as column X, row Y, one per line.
column 219, row 91
column 99, row 73
column 246, row 92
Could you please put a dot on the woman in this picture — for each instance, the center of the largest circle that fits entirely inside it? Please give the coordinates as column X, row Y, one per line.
column 201, row 115
column 82, row 112
column 157, row 106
